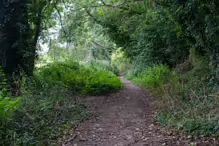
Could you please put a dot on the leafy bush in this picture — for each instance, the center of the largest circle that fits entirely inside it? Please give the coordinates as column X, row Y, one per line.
column 47, row 112
column 42, row 114
column 8, row 106
column 79, row 78
column 101, row 82
column 153, row 76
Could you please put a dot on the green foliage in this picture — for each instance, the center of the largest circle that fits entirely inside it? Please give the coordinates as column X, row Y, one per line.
column 3, row 80
column 57, row 53
column 101, row 82
column 150, row 33
column 199, row 22
column 164, row 34
column 149, row 38
column 41, row 116
column 153, row 76
column 136, row 68
column 120, row 60
column 86, row 40
column 200, row 65
column 157, row 41
column 184, row 100
column 102, row 65
column 193, row 127
column 48, row 113
column 79, row 78
column 48, row 108
column 8, row 106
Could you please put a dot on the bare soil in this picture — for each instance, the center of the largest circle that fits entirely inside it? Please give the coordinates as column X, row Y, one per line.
column 125, row 118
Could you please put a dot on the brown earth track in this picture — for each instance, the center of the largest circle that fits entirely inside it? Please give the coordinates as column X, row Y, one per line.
column 124, row 118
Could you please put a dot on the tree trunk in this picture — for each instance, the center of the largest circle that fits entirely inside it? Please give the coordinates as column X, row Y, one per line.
column 37, row 31
column 14, row 35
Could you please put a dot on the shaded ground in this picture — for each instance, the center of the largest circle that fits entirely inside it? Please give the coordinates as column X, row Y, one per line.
column 124, row 118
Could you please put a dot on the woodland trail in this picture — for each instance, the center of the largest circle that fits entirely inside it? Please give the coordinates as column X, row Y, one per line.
column 124, row 118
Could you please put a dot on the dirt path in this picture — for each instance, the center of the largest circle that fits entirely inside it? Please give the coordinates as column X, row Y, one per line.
column 124, row 118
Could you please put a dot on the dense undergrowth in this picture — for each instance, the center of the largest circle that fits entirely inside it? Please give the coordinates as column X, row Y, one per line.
column 186, row 101
column 48, row 105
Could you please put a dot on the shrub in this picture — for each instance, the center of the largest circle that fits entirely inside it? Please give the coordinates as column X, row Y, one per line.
column 87, row 80
column 8, row 107
column 8, row 104
column 44, row 112
column 47, row 112
column 101, row 82
column 153, row 76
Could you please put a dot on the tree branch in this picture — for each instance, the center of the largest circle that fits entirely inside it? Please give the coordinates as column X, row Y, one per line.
column 60, row 19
